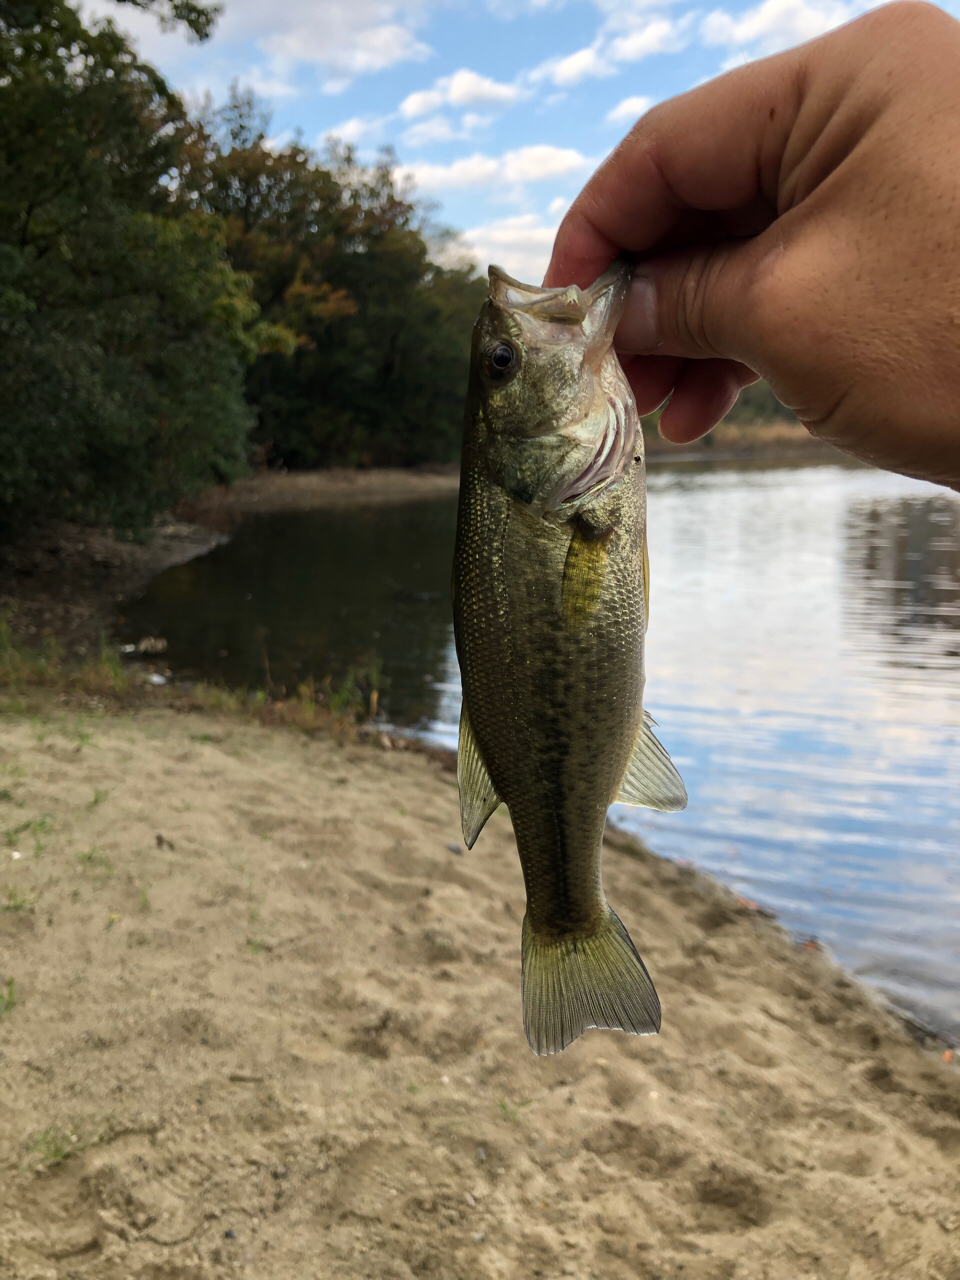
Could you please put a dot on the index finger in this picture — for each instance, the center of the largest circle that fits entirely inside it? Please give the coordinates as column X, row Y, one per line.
column 716, row 149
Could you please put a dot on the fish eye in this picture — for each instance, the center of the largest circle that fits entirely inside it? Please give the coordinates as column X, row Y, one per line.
column 500, row 360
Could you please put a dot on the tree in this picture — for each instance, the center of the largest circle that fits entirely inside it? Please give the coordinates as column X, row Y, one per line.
column 340, row 260
column 123, row 330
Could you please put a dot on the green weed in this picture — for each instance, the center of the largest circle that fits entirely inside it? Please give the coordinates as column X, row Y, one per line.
column 512, row 1113
column 143, row 902
column 98, row 798
column 52, row 1145
column 8, row 997
column 33, row 826
column 96, row 859
column 15, row 900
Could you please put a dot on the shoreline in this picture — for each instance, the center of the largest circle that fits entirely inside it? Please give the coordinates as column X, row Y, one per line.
column 266, row 1019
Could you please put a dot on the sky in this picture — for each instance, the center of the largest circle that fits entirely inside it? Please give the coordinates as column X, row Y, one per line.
column 497, row 110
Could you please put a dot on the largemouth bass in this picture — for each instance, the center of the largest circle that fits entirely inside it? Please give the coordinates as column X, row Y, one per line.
column 550, row 594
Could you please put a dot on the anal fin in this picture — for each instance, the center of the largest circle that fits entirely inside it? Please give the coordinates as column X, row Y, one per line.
column 478, row 795
column 651, row 778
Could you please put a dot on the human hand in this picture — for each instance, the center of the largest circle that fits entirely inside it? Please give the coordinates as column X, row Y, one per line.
column 797, row 218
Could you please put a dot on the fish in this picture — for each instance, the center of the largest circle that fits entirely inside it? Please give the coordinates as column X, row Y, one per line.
column 551, row 591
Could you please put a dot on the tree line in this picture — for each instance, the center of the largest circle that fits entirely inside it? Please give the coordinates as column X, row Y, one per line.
column 177, row 294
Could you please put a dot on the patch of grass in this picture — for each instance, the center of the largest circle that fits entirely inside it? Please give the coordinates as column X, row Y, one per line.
column 257, row 945
column 8, row 997
column 143, row 901
column 52, row 1145
column 357, row 693
column 14, row 900
column 33, row 826
column 512, row 1113
column 98, row 798
column 95, row 859
column 413, row 1088
column 6, row 796
column 45, row 666
column 105, row 680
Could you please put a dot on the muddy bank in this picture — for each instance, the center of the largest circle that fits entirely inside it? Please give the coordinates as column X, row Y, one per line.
column 267, row 1025
column 774, row 442
column 272, row 491
column 63, row 582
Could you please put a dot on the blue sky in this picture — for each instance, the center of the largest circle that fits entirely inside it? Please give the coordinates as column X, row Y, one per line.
column 498, row 110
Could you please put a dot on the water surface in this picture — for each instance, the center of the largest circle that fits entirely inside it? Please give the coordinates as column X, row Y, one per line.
column 803, row 664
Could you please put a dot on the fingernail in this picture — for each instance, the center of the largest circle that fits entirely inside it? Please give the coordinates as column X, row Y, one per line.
column 637, row 331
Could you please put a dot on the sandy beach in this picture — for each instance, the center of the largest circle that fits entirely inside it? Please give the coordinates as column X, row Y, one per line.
column 264, row 1022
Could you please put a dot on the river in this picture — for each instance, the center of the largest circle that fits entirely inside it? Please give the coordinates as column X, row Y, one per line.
column 803, row 663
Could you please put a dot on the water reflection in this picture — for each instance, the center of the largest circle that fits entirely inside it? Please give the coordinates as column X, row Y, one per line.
column 802, row 663
column 903, row 562
column 312, row 594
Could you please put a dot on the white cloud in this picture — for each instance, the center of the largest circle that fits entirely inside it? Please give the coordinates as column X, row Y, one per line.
column 558, row 206
column 441, row 129
column 356, row 52
column 355, row 129
column 569, row 71
column 513, row 168
column 433, row 129
column 776, row 24
column 521, row 245
column 463, row 89
column 626, row 36
column 341, row 38
column 628, row 110
column 649, row 36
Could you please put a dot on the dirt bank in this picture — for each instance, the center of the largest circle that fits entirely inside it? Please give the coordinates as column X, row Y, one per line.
column 271, row 491
column 267, row 1026
column 63, row 582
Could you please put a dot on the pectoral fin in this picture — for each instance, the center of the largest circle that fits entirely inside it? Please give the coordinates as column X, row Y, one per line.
column 478, row 795
column 651, row 779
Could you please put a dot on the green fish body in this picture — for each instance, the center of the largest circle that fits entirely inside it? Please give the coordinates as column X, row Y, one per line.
column 550, row 599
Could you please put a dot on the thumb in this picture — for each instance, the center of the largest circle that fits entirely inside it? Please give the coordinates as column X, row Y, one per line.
column 700, row 304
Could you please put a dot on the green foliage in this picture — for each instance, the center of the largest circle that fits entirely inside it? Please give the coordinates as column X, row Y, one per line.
column 379, row 335
column 122, row 329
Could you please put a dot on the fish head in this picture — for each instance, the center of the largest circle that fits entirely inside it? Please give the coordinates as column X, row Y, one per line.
column 555, row 418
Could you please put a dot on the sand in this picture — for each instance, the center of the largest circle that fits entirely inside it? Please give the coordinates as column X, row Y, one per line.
column 267, row 1026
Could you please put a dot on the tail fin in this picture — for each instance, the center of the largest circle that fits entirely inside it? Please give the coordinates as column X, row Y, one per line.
column 572, row 982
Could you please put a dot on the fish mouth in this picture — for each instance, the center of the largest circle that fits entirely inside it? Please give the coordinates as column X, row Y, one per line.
column 597, row 309
column 603, row 442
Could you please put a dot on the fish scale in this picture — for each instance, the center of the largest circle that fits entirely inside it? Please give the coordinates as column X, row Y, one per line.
column 549, row 582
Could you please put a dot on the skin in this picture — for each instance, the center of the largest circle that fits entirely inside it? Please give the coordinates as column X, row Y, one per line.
column 798, row 218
